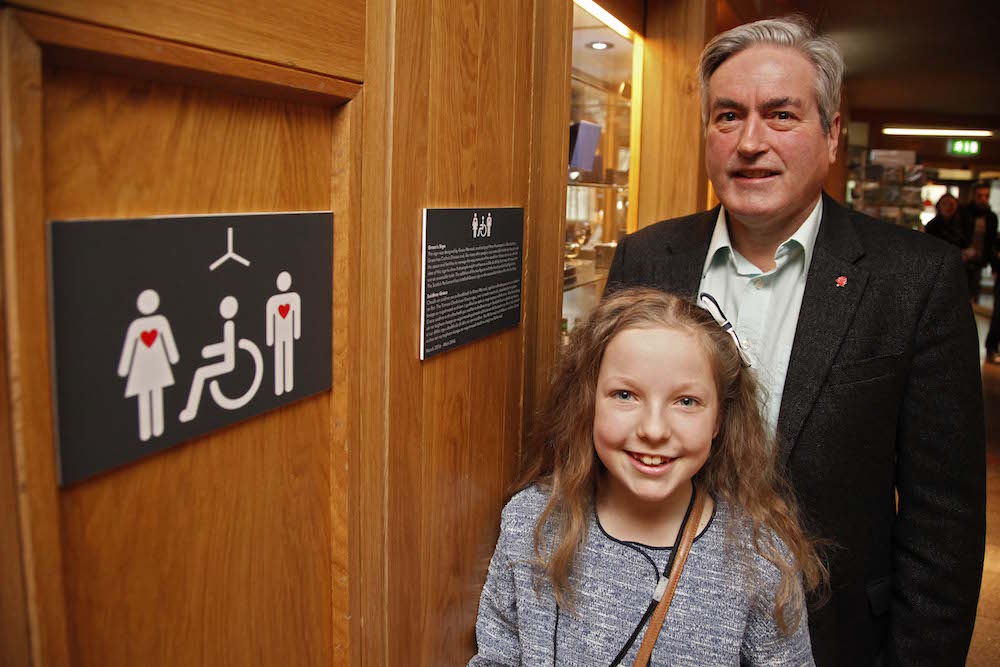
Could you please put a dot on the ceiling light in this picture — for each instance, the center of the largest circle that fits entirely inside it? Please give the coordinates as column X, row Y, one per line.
column 599, row 46
column 604, row 17
column 934, row 132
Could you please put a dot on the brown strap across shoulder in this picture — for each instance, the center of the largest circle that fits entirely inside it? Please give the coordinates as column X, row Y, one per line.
column 683, row 548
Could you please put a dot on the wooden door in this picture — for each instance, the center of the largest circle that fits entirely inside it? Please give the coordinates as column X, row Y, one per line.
column 232, row 549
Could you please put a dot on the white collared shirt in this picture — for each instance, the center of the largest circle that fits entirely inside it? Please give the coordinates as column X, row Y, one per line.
column 763, row 307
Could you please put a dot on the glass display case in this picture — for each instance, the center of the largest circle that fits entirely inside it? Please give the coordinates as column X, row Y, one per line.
column 597, row 194
column 887, row 184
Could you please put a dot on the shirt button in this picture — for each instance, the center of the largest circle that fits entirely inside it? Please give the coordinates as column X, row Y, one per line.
column 746, row 345
column 759, row 284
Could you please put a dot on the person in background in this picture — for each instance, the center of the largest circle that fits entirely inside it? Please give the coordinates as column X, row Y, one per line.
column 947, row 224
column 864, row 339
column 979, row 234
column 980, row 214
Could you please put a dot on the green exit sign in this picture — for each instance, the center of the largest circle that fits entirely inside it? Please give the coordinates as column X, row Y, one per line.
column 963, row 147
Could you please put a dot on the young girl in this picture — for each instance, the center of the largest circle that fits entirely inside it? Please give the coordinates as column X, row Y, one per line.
column 651, row 399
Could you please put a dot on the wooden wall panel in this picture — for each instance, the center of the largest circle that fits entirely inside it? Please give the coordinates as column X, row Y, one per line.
column 672, row 159
column 218, row 551
column 550, row 102
column 457, row 81
column 345, row 509
column 25, row 313
column 368, row 457
column 317, row 35
column 15, row 646
column 97, row 48
column 731, row 13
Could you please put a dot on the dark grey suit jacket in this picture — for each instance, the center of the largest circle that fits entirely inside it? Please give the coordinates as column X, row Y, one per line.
column 882, row 395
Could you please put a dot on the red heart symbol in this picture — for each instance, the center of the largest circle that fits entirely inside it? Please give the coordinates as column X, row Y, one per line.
column 283, row 310
column 149, row 337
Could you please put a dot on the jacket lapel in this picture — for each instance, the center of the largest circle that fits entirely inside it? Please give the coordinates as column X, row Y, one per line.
column 686, row 250
column 824, row 318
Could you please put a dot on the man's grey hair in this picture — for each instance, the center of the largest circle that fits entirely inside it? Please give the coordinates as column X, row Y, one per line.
column 791, row 31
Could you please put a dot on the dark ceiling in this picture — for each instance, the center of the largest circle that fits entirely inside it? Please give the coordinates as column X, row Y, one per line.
column 939, row 58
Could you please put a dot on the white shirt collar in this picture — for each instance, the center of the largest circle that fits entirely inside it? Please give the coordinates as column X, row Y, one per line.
column 804, row 237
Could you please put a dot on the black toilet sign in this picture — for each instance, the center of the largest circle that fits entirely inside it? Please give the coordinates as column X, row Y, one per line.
column 169, row 328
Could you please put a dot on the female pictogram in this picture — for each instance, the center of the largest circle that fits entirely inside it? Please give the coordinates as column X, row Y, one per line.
column 284, row 324
column 227, row 350
column 147, row 355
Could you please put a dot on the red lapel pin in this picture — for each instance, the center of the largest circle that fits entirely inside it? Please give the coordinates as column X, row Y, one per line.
column 841, row 281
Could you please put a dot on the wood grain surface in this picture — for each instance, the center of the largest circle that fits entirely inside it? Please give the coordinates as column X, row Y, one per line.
column 368, row 499
column 314, row 35
column 225, row 550
column 95, row 48
column 346, row 510
column 15, row 641
column 28, row 413
column 368, row 455
column 15, row 644
column 453, row 83
column 550, row 102
column 672, row 162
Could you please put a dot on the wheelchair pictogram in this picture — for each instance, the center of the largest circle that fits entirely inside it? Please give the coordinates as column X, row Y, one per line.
column 226, row 349
column 236, row 403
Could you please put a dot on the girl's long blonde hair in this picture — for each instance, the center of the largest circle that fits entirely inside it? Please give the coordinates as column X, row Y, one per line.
column 741, row 468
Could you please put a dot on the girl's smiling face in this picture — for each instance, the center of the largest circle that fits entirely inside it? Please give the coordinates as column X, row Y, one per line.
column 655, row 414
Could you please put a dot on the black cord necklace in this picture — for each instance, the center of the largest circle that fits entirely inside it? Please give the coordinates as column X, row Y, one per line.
column 668, row 568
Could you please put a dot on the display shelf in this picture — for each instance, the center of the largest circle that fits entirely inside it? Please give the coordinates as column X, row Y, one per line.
column 585, row 273
column 598, row 176
column 886, row 185
column 603, row 186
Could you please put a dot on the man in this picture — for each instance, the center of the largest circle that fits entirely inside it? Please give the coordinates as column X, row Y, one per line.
column 979, row 232
column 862, row 335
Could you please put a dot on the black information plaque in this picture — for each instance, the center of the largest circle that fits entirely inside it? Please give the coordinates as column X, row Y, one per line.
column 471, row 284
column 169, row 328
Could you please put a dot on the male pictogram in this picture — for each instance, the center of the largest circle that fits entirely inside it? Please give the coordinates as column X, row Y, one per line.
column 284, row 325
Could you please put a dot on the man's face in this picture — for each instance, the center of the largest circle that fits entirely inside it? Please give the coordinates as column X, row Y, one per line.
column 981, row 198
column 765, row 149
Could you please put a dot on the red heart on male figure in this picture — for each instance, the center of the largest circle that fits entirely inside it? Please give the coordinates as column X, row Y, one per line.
column 283, row 310
column 149, row 337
